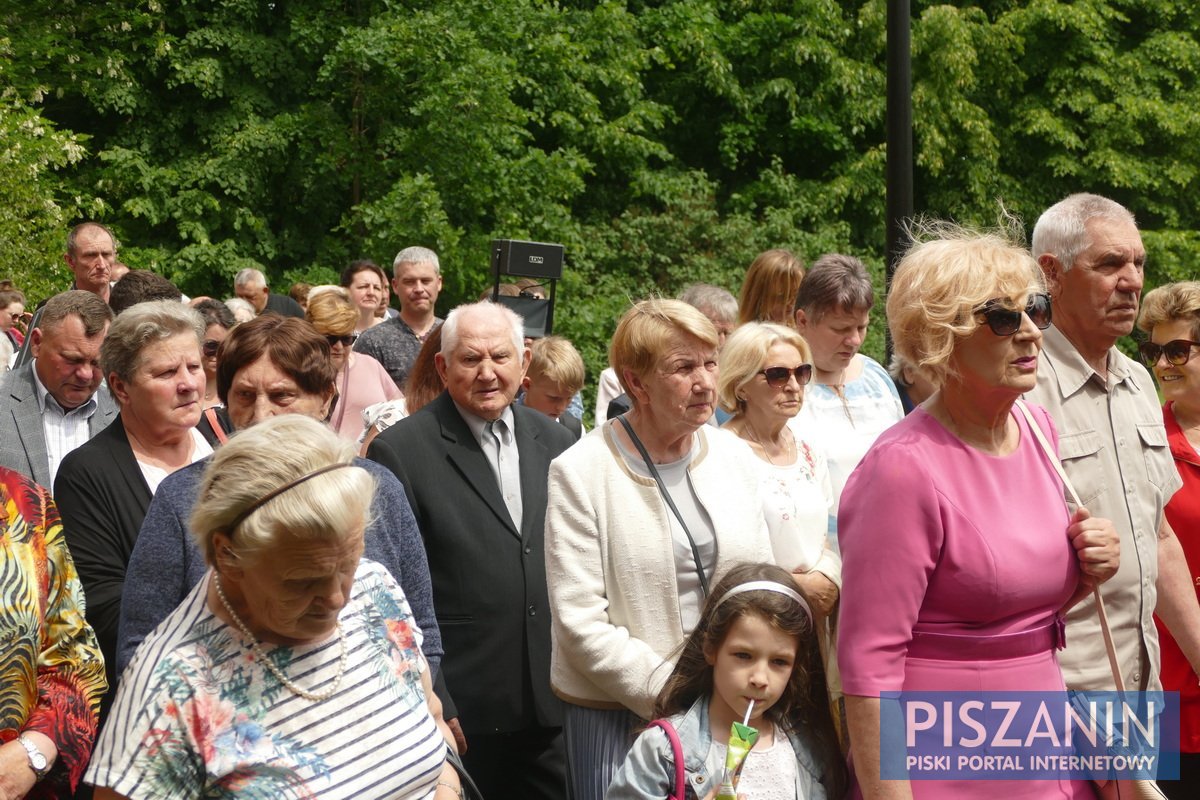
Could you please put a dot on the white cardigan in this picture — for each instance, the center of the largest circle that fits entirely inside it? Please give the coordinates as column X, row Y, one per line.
column 610, row 563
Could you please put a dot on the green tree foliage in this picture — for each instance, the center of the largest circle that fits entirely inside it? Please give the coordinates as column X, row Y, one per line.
column 36, row 204
column 661, row 142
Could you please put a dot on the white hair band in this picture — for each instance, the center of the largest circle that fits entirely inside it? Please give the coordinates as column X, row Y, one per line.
column 768, row 586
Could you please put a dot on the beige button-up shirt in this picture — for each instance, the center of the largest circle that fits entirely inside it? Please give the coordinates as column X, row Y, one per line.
column 1113, row 445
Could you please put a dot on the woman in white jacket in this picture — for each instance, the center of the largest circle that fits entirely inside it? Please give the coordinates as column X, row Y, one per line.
column 643, row 514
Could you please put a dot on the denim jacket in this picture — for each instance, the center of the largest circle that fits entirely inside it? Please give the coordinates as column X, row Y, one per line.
column 649, row 770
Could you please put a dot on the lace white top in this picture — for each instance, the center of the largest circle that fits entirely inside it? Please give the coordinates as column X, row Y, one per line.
column 769, row 772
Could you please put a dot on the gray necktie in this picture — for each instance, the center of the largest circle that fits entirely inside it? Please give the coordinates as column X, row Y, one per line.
column 508, row 472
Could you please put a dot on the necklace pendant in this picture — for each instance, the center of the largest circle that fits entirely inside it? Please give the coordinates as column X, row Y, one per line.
column 266, row 661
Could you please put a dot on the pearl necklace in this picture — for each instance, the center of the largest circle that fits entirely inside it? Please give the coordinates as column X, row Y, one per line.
column 316, row 697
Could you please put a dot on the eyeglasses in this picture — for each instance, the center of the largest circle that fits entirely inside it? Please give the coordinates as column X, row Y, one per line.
column 777, row 377
column 210, row 347
column 1007, row 321
column 347, row 340
column 1177, row 351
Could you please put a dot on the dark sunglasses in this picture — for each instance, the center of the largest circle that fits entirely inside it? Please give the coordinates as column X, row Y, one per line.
column 347, row 340
column 1177, row 351
column 1007, row 321
column 777, row 377
column 210, row 347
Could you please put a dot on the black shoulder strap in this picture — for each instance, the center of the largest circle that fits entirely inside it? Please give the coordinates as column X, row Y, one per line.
column 641, row 448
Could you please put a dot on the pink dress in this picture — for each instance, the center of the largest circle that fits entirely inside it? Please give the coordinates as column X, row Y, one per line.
column 362, row 382
column 953, row 562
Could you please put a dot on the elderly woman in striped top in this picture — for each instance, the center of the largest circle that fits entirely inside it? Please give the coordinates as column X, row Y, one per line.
column 294, row 668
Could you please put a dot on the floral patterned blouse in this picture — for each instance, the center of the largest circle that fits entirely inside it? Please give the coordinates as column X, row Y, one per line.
column 798, row 506
column 51, row 670
column 197, row 715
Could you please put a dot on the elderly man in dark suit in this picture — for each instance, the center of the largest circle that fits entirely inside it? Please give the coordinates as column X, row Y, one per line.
column 474, row 467
column 55, row 403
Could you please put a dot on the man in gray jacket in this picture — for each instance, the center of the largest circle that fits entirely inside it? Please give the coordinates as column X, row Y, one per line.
column 55, row 402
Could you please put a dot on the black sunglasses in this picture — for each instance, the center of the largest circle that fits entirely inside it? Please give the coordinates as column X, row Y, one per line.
column 1177, row 351
column 777, row 377
column 210, row 347
column 1007, row 321
column 348, row 339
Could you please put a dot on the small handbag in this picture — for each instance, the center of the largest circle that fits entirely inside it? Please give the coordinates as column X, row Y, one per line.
column 680, row 789
column 1122, row 789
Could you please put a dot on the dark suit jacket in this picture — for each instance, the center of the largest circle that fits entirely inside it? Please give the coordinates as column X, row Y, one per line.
column 22, row 438
column 283, row 305
column 489, row 579
column 573, row 424
column 102, row 497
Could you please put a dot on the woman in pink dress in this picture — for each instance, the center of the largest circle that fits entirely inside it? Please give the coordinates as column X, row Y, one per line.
column 361, row 380
column 959, row 555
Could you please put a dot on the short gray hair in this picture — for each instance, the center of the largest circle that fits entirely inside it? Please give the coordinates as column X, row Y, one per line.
column 249, row 277
column 835, row 282
column 484, row 308
column 265, row 457
column 711, row 301
column 416, row 255
column 142, row 325
column 1061, row 230
column 241, row 310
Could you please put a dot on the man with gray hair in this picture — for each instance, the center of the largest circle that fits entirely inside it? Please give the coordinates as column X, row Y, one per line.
column 1111, row 440
column 718, row 304
column 475, row 469
column 251, row 286
column 54, row 403
column 417, row 279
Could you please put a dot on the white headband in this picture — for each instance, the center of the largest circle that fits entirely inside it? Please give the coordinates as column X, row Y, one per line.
column 768, row 586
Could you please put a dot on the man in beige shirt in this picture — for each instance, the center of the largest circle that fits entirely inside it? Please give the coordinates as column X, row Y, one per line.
column 1111, row 439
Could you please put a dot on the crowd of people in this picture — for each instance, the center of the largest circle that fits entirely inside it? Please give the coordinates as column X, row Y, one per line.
column 306, row 545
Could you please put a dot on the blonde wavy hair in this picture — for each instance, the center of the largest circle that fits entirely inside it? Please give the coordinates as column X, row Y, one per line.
column 947, row 274
column 745, row 353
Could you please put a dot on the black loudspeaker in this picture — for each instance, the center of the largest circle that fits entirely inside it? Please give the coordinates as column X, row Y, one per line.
column 527, row 259
column 541, row 260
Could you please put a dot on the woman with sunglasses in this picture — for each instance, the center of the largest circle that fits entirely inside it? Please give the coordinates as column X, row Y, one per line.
column 959, row 554
column 763, row 371
column 361, row 380
column 12, row 317
column 1171, row 316
column 218, row 322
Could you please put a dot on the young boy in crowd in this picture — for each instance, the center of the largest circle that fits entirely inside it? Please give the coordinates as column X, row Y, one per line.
column 555, row 375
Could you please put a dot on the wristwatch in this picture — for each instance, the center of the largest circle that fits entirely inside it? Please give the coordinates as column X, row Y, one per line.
column 37, row 761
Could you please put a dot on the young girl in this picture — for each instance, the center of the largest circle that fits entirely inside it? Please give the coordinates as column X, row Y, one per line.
column 754, row 641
